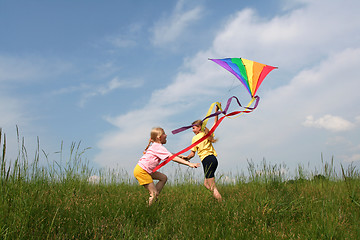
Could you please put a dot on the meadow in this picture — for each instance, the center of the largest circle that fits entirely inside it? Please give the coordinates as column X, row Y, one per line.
column 56, row 201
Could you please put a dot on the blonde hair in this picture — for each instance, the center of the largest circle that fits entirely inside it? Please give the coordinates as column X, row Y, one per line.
column 211, row 138
column 154, row 135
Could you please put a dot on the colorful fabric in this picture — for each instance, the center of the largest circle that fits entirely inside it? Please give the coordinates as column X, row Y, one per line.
column 251, row 74
column 248, row 109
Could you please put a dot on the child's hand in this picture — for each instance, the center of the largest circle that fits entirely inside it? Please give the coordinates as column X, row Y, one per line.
column 217, row 107
column 194, row 165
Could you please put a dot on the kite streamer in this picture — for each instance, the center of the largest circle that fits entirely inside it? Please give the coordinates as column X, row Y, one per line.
column 256, row 98
column 251, row 74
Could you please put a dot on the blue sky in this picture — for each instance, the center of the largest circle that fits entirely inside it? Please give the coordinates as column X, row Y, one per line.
column 105, row 73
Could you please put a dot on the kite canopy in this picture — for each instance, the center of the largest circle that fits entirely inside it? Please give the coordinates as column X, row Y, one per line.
column 250, row 73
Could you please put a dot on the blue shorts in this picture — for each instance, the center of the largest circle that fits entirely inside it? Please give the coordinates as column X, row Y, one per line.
column 210, row 164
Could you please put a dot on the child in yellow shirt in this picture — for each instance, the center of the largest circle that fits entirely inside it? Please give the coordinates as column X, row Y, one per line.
column 207, row 155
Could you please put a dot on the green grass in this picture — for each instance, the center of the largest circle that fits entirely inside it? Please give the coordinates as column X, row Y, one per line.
column 56, row 201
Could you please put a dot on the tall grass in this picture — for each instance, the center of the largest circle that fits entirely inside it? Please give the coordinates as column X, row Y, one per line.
column 55, row 200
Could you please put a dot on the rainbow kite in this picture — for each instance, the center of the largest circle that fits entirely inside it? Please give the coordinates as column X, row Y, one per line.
column 251, row 74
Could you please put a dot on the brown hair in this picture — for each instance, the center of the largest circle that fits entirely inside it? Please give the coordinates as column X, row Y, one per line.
column 206, row 131
column 154, row 134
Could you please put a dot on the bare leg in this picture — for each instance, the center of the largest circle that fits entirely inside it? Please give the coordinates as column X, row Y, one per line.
column 162, row 180
column 153, row 192
column 153, row 189
column 210, row 184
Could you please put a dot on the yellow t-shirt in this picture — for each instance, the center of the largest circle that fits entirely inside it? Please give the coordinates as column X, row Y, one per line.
column 205, row 148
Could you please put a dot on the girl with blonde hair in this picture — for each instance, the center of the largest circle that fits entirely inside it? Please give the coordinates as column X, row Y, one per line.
column 154, row 153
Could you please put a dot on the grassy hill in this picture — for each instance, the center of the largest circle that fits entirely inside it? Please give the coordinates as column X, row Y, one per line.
column 58, row 202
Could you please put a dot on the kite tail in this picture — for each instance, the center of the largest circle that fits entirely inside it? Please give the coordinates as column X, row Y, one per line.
column 256, row 99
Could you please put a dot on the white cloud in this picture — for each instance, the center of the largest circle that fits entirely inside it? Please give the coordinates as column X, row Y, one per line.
column 11, row 112
column 71, row 89
column 27, row 69
column 18, row 73
column 123, row 42
column 170, row 28
column 294, row 40
column 14, row 113
column 352, row 158
column 357, row 147
column 357, row 120
column 127, row 38
column 338, row 140
column 21, row 72
column 90, row 91
column 114, row 84
column 329, row 122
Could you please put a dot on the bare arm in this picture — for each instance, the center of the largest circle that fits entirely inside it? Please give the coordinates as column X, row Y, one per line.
column 190, row 156
column 217, row 116
column 182, row 161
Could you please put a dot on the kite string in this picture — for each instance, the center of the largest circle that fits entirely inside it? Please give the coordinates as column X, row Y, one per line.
column 212, row 130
